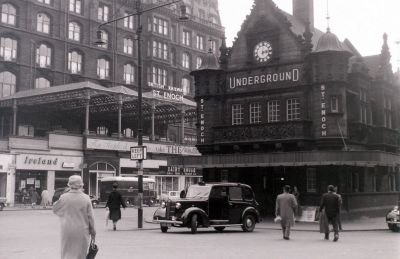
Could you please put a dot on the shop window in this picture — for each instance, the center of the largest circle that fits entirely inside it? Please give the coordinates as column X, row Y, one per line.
column 392, row 183
column 355, row 182
column 166, row 184
column 311, row 180
column 102, row 130
column 26, row 130
column 374, row 183
column 191, row 180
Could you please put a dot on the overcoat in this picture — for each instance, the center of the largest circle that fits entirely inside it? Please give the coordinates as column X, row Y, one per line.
column 285, row 207
column 77, row 223
column 114, row 203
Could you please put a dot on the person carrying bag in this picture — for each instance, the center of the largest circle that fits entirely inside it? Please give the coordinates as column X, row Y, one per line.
column 93, row 249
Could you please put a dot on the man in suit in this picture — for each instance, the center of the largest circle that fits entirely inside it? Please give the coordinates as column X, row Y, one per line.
column 286, row 207
column 331, row 203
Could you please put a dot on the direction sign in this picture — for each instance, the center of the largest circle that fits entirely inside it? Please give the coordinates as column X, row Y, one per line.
column 139, row 153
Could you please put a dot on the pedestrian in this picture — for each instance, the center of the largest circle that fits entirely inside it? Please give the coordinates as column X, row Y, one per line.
column 114, row 204
column 286, row 207
column 45, row 198
column 77, row 221
column 296, row 194
column 330, row 203
column 34, row 197
column 339, row 220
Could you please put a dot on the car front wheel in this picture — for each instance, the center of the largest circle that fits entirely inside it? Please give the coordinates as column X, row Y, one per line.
column 164, row 229
column 394, row 227
column 193, row 224
column 248, row 223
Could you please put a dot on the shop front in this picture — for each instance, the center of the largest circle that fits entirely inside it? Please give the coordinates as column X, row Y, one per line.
column 6, row 173
column 38, row 172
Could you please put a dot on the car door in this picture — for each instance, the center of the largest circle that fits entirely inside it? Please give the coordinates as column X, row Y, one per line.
column 236, row 204
column 218, row 203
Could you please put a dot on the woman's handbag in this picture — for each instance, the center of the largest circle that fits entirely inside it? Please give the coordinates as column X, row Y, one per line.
column 93, row 249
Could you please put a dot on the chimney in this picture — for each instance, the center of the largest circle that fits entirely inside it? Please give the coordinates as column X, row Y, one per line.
column 303, row 10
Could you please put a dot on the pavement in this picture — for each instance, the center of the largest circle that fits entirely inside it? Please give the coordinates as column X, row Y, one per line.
column 361, row 224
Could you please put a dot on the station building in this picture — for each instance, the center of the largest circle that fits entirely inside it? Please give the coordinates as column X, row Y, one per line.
column 290, row 104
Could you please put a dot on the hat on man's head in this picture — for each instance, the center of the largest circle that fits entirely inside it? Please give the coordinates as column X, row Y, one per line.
column 75, row 182
column 115, row 185
column 331, row 188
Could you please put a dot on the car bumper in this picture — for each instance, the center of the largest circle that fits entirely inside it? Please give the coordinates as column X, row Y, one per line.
column 167, row 222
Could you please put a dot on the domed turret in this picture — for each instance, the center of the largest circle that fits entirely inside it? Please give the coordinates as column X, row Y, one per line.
column 210, row 62
column 329, row 42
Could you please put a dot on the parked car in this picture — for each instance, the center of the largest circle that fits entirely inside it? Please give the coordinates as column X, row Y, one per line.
column 216, row 205
column 3, row 202
column 59, row 191
column 393, row 219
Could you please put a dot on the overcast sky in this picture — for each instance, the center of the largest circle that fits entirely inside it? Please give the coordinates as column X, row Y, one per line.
column 363, row 22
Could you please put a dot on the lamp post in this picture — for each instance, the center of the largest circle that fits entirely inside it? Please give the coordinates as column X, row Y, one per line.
column 138, row 12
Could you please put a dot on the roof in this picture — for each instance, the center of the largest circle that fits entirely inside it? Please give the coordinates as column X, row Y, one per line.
column 328, row 42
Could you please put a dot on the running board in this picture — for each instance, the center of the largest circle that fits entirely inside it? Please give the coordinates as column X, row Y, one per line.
column 228, row 225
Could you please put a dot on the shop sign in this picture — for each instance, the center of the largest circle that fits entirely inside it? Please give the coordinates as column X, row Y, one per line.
column 118, row 145
column 202, row 121
column 323, row 111
column 181, row 170
column 45, row 162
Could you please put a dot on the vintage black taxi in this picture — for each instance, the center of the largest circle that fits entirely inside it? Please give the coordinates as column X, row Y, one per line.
column 216, row 205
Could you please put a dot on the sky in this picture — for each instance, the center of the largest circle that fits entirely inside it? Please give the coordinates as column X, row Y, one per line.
column 363, row 22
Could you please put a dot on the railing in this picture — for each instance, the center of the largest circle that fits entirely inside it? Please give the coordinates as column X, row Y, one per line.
column 372, row 135
column 263, row 132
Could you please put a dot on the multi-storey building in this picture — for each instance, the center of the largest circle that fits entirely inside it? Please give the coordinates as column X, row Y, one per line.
column 289, row 104
column 68, row 105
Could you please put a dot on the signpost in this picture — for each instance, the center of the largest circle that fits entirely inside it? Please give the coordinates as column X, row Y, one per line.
column 139, row 153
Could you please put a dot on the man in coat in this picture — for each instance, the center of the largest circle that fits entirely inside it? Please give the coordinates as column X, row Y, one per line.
column 331, row 203
column 286, row 207
column 77, row 222
column 114, row 204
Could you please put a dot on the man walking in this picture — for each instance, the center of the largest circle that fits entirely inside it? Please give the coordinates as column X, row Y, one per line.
column 286, row 207
column 331, row 203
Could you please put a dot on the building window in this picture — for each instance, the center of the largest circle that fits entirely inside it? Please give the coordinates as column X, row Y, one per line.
column 74, row 62
column 102, row 12
column 334, row 104
column 43, row 23
column 160, row 26
column 355, row 182
column 255, row 113
column 74, row 31
column 75, row 6
column 185, row 86
column 129, row 74
column 374, row 183
column 160, row 50
column 159, row 76
column 128, row 21
column 43, row 56
column 103, row 68
column 42, row 83
column 8, row 14
column 7, row 84
column 102, row 130
column 311, row 180
column 200, row 42
column 45, row 1
column 186, row 60
column 274, row 111
column 186, row 35
column 213, row 46
column 173, row 34
column 363, row 106
column 128, row 46
column 387, row 106
column 8, row 49
column 199, row 62
column 104, row 38
column 293, row 109
column 392, row 183
column 237, row 114
column 173, row 57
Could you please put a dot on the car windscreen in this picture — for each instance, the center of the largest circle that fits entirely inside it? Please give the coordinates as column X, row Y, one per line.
column 197, row 191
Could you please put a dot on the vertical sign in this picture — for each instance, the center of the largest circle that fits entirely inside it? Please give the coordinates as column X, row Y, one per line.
column 201, row 138
column 323, row 112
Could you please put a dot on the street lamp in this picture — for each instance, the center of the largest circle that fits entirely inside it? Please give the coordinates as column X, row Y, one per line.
column 100, row 41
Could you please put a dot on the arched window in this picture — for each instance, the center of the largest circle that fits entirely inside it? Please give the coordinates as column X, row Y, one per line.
column 186, row 86
column 44, row 1
column 104, row 38
column 74, row 31
column 129, row 74
column 43, row 55
column 42, row 82
column 74, row 62
column 8, row 14
column 43, row 23
column 96, row 172
column 8, row 49
column 128, row 46
column 103, row 68
column 7, row 84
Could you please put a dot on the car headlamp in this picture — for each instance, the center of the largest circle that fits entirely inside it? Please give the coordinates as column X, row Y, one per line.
column 178, row 205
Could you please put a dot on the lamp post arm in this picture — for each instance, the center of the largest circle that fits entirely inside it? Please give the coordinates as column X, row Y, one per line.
column 138, row 13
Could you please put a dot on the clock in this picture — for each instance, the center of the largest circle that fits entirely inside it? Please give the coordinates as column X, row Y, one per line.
column 263, row 51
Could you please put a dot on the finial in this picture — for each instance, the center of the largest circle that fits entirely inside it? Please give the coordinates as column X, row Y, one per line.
column 327, row 17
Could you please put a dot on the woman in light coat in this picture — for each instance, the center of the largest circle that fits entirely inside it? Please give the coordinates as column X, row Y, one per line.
column 77, row 222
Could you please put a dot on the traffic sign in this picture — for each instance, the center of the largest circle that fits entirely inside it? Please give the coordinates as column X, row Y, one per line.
column 139, row 153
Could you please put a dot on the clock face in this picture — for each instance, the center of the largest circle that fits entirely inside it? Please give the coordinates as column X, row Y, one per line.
column 263, row 51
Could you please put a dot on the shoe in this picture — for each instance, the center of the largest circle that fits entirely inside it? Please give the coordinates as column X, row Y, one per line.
column 336, row 238
column 286, row 238
column 115, row 228
column 326, row 236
